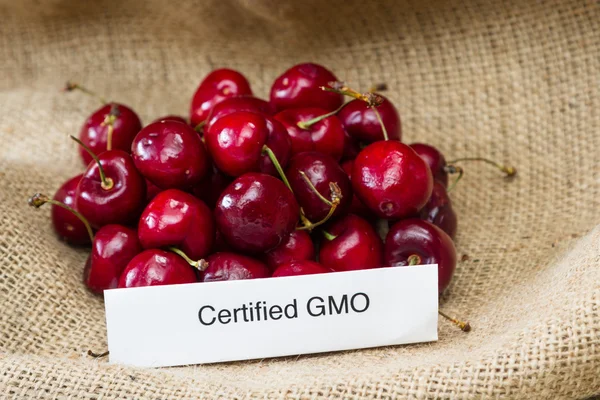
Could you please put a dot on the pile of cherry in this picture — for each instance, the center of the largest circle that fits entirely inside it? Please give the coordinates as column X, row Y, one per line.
column 301, row 184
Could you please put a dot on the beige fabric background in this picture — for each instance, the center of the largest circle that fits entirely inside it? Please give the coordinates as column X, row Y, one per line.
column 516, row 81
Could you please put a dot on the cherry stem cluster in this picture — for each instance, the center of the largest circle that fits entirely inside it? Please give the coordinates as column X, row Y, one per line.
column 200, row 265
column 39, row 199
column 71, row 86
column 464, row 326
column 336, row 197
column 107, row 183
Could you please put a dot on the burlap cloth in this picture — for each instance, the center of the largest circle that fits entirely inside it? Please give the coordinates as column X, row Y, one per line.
column 516, row 82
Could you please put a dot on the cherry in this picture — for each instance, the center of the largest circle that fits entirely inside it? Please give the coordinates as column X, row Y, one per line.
column 151, row 190
column 114, row 246
column 351, row 243
column 210, row 188
column 325, row 136
column 220, row 244
column 67, row 225
column 391, row 179
column 170, row 154
column 300, row 267
column 175, row 118
column 233, row 267
column 244, row 142
column 438, row 210
column 298, row 246
column 356, row 207
column 157, row 267
column 175, row 218
column 239, row 103
column 351, row 147
column 311, row 176
column 434, row 159
column 111, row 190
column 417, row 242
column 300, row 85
column 362, row 123
column 256, row 213
column 216, row 87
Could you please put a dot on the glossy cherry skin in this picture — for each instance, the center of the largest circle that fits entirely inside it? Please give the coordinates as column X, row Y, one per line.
column 300, row 86
column 178, row 219
column 326, row 136
column 239, row 103
column 66, row 225
column 435, row 159
column 113, row 248
column 236, row 143
column 438, row 210
column 256, row 213
column 94, row 133
column 356, row 245
column 210, row 188
column 170, row 154
column 356, row 207
column 297, row 247
column 157, row 267
column 417, row 237
column 391, row 179
column 216, row 87
column 321, row 170
column 302, row 267
column 120, row 204
column 361, row 123
column 175, row 118
column 233, row 267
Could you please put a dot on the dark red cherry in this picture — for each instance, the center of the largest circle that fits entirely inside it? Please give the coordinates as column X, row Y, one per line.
column 356, row 207
column 113, row 248
column 237, row 142
column 157, row 267
column 326, row 136
column 351, row 243
column 434, row 159
column 177, row 219
column 321, row 170
column 175, row 118
column 95, row 131
column 67, row 225
column 302, row 267
column 256, row 213
column 210, row 188
column 233, row 267
column 351, row 147
column 170, row 155
column 239, row 103
column 438, row 210
column 300, row 86
column 216, row 87
column 298, row 246
column 151, row 190
column 116, row 198
column 391, row 179
column 220, row 244
column 361, row 123
column 417, row 242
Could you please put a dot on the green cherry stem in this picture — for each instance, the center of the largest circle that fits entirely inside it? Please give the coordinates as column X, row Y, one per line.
column 383, row 129
column 452, row 169
column 414, row 260
column 464, row 326
column 336, row 196
column 200, row 127
column 38, row 200
column 107, row 183
column 311, row 122
column 109, row 122
column 506, row 169
column 314, row 189
column 71, row 86
column 328, row 235
column 200, row 265
column 266, row 150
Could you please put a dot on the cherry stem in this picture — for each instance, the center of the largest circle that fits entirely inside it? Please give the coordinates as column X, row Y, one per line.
column 311, row 122
column 452, row 169
column 314, row 189
column 336, row 196
column 200, row 127
column 97, row 355
column 71, row 86
column 277, row 166
column 383, row 128
column 109, row 121
column 328, row 235
column 200, row 265
column 464, row 326
column 372, row 99
column 38, row 200
column 107, row 183
column 414, row 260
column 506, row 169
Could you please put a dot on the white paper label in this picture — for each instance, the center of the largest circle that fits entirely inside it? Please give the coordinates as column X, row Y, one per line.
column 239, row 320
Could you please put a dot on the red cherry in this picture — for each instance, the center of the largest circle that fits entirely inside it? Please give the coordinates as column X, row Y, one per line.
column 113, row 248
column 351, row 243
column 391, row 179
column 175, row 118
column 210, row 188
column 151, row 190
column 239, row 103
column 438, row 210
column 256, row 213
column 175, row 218
column 361, row 122
column 111, row 190
column 95, row 131
column 356, row 207
column 170, row 155
column 303, row 267
column 216, row 87
column 157, row 267
column 417, row 242
column 321, row 171
column 351, row 147
column 434, row 159
column 300, row 86
column 298, row 246
column 67, row 225
column 233, row 267
column 220, row 244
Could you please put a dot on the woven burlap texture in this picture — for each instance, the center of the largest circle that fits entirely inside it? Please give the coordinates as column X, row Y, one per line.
column 515, row 82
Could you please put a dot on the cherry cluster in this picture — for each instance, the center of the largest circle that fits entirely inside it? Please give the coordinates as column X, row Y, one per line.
column 305, row 183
